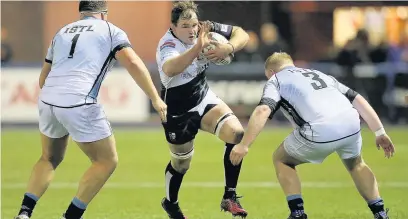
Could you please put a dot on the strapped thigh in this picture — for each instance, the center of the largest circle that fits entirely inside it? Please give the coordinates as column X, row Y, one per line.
column 182, row 155
column 182, row 151
column 222, row 120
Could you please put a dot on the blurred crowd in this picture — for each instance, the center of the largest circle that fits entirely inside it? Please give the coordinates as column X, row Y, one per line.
column 357, row 50
column 260, row 47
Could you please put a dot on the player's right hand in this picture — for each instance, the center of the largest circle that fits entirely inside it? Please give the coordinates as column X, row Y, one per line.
column 161, row 108
column 384, row 142
column 238, row 153
column 203, row 39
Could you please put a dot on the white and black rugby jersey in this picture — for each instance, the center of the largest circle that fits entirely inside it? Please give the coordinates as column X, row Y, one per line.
column 186, row 90
column 81, row 54
column 316, row 103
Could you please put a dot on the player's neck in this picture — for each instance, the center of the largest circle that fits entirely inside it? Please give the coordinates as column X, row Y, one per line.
column 90, row 16
column 286, row 66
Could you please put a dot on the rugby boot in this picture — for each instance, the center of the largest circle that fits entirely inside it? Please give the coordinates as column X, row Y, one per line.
column 63, row 217
column 23, row 215
column 233, row 206
column 172, row 209
column 382, row 215
column 303, row 216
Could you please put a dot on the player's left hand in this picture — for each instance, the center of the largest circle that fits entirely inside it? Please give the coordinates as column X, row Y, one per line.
column 238, row 153
column 384, row 142
column 221, row 51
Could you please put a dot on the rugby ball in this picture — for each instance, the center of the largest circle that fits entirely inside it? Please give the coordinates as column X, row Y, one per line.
column 221, row 39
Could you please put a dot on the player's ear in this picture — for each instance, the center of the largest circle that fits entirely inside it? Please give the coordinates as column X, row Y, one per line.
column 269, row 73
column 172, row 26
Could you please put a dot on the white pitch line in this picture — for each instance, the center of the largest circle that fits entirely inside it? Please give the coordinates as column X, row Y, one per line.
column 68, row 185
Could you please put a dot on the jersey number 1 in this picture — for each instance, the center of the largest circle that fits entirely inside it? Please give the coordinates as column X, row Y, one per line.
column 73, row 45
column 316, row 78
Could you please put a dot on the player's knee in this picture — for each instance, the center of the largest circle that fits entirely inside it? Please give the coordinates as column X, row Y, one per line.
column 108, row 164
column 181, row 165
column 55, row 160
column 279, row 158
column 181, row 160
column 113, row 163
column 238, row 135
column 354, row 164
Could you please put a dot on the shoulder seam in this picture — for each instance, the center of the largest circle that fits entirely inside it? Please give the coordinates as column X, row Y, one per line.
column 110, row 34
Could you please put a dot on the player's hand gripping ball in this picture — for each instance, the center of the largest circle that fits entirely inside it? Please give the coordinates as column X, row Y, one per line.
column 220, row 39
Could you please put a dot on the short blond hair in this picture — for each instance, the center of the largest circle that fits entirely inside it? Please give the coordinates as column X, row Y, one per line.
column 277, row 60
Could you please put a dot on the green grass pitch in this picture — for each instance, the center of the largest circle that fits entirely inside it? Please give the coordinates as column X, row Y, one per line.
column 137, row 187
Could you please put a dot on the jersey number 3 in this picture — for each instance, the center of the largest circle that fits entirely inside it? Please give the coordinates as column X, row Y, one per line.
column 317, row 86
column 73, row 45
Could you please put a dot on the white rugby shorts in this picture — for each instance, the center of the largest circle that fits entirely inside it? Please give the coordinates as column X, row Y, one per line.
column 210, row 98
column 87, row 123
column 311, row 152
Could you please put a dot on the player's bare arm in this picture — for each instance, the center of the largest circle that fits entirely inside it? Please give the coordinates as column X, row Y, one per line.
column 375, row 125
column 137, row 69
column 239, row 38
column 177, row 65
column 268, row 105
column 256, row 124
column 44, row 73
column 368, row 113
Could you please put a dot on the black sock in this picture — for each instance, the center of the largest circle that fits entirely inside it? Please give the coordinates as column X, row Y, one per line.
column 173, row 183
column 231, row 172
column 28, row 204
column 75, row 210
column 377, row 207
column 296, row 205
